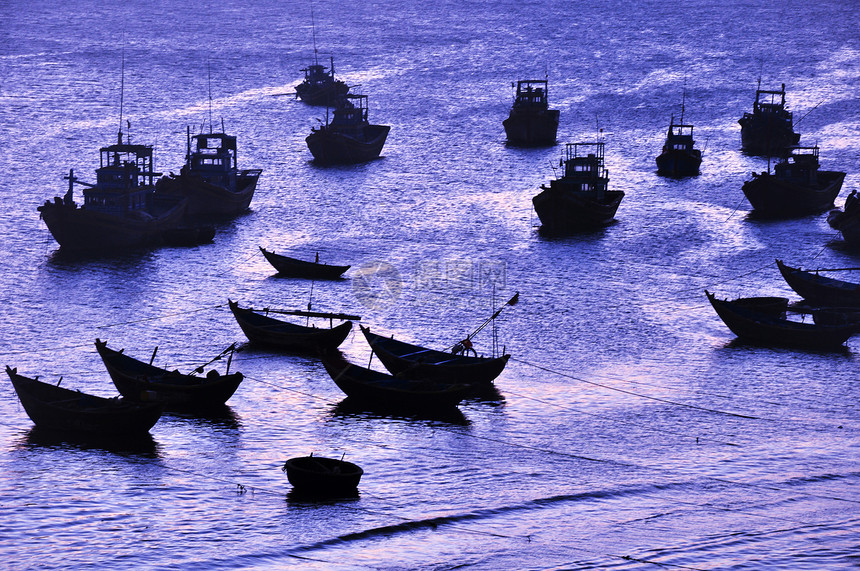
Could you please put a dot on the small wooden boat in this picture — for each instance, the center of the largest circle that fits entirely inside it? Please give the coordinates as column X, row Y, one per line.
column 322, row 476
column 531, row 122
column 56, row 408
column 319, row 86
column 260, row 328
column 120, row 210
column 847, row 220
column 818, row 289
column 415, row 362
column 679, row 157
column 796, row 188
column 383, row 391
column 769, row 129
column 754, row 325
column 580, row 198
column 210, row 178
column 144, row 382
column 295, row 268
column 349, row 138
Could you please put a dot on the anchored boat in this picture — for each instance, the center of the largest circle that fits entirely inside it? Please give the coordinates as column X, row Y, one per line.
column 531, row 122
column 349, row 137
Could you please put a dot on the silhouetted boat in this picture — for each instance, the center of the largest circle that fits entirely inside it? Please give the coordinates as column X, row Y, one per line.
column 322, row 476
column 750, row 323
column 121, row 210
column 415, row 362
column 56, row 408
column 349, row 137
column 143, row 382
column 797, row 187
column 679, row 156
column 769, row 129
column 295, row 268
column 381, row 390
column 847, row 220
column 579, row 199
column 260, row 328
column 210, row 178
column 319, row 86
column 531, row 122
column 818, row 289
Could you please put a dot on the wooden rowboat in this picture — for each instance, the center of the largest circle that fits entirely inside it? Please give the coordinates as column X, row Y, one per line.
column 819, row 289
column 295, row 268
column 416, row 362
column 144, row 382
column 60, row 409
column 322, row 476
column 260, row 328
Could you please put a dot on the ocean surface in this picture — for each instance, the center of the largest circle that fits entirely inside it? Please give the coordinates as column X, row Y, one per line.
column 630, row 430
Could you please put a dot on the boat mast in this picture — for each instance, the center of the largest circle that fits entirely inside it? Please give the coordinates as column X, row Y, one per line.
column 121, row 96
column 314, row 34
column 209, row 70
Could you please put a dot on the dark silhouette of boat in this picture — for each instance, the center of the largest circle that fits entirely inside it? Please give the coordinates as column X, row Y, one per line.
column 55, row 408
column 383, row 391
column 295, row 268
column 769, row 129
column 847, row 220
column 796, row 188
column 210, row 178
column 580, row 198
column 531, row 122
column 818, row 289
column 121, row 210
column 679, row 157
column 260, row 328
column 349, row 138
column 415, row 362
column 750, row 322
column 319, row 86
column 322, row 476
column 140, row 381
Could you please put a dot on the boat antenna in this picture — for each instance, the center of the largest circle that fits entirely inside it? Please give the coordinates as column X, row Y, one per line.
column 209, row 70
column 121, row 92
column 683, row 99
column 314, row 34
column 513, row 301
column 808, row 112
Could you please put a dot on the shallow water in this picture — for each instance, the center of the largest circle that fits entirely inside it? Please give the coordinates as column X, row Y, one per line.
column 630, row 430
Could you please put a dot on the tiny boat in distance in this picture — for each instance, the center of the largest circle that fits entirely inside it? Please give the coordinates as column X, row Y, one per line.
column 295, row 268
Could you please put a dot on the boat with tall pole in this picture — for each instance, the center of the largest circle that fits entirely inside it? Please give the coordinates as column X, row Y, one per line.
column 531, row 122
column 319, row 86
column 679, row 157
column 769, row 129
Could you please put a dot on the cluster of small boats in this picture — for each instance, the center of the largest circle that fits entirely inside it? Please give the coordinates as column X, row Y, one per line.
column 832, row 305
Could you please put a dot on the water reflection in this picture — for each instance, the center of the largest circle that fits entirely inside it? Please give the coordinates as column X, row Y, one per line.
column 220, row 416
column 348, row 409
column 142, row 445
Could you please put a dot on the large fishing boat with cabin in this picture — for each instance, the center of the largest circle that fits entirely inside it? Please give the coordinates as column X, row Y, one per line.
column 349, row 137
column 769, row 129
column 531, row 122
column 580, row 198
column 319, row 86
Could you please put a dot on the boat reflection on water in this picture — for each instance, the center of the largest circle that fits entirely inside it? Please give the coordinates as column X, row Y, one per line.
column 220, row 417
column 352, row 409
column 143, row 445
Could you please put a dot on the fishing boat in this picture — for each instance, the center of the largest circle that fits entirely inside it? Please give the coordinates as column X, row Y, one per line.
column 319, row 86
column 415, row 362
column 580, row 198
column 818, row 289
column 322, row 476
column 120, row 210
column 261, row 328
column 531, row 122
column 752, row 324
column 769, row 129
column 141, row 381
column 679, row 157
column 349, row 138
column 210, row 178
column 295, row 268
column 56, row 408
column 380, row 390
column 796, row 188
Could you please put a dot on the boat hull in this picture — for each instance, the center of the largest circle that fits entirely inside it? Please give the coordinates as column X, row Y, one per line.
column 295, row 268
column 678, row 164
column 139, row 381
column 772, row 197
column 208, row 199
column 58, row 409
column 329, row 146
column 565, row 212
column 77, row 228
column 755, row 326
column 327, row 93
column 818, row 289
column 265, row 330
column 532, row 129
column 763, row 136
column 322, row 476
column 848, row 224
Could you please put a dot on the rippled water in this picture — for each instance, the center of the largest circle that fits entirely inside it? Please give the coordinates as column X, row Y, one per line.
column 630, row 429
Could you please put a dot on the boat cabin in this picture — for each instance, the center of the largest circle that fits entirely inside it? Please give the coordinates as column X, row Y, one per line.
column 769, row 101
column 316, row 74
column 212, row 157
column 679, row 137
column 531, row 93
column 800, row 166
column 583, row 168
column 349, row 114
column 124, row 179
